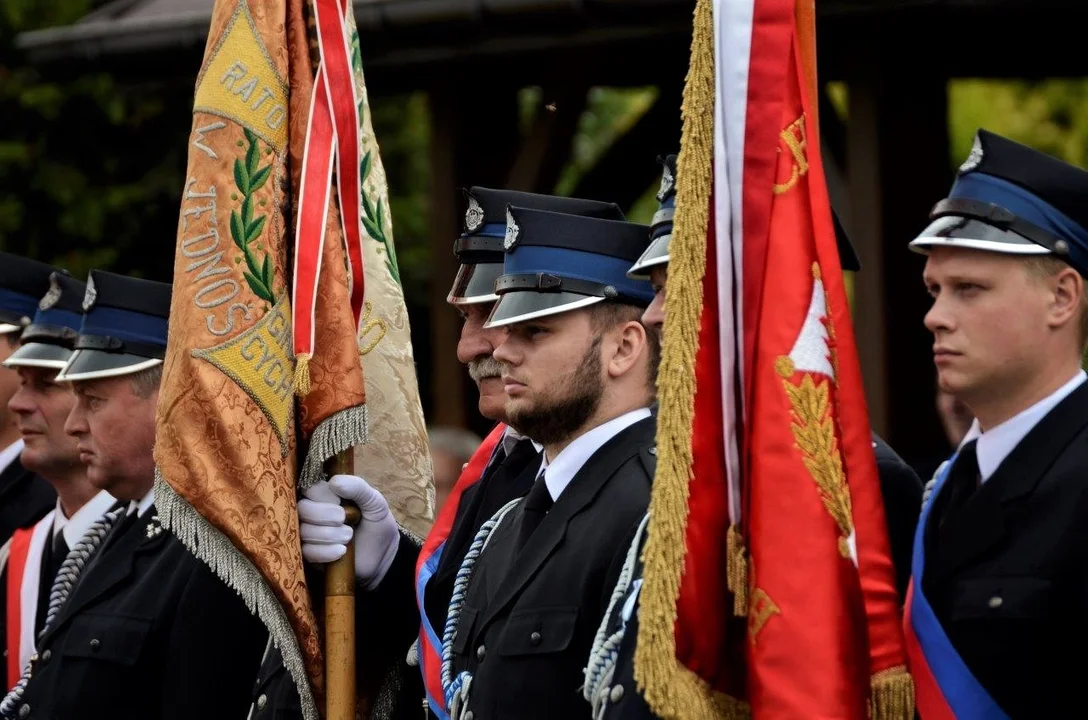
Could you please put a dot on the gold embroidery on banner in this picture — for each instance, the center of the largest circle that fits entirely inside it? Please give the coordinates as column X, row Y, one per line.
column 240, row 82
column 795, row 141
column 259, row 360
column 812, row 420
column 366, row 344
column 761, row 610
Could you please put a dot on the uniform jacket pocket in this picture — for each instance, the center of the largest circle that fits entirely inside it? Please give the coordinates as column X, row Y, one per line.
column 538, row 630
column 1002, row 598
column 107, row 638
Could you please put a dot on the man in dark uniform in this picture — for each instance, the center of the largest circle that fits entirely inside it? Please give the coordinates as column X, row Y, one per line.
column 385, row 559
column 578, row 371
column 1000, row 583
column 610, row 682
column 137, row 627
column 24, row 497
column 42, row 406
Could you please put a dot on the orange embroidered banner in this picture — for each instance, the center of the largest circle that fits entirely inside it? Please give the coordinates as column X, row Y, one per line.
column 233, row 439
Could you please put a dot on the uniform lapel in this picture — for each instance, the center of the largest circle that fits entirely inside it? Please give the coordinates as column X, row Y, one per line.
column 112, row 565
column 583, row 488
column 982, row 522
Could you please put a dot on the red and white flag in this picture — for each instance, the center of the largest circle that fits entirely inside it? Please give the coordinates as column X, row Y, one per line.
column 768, row 586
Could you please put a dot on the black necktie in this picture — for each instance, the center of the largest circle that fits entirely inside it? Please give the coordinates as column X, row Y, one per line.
column 537, row 504
column 963, row 481
column 53, row 557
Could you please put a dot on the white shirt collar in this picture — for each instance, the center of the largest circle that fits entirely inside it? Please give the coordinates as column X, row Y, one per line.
column 995, row 444
column 511, row 437
column 142, row 506
column 9, row 454
column 567, row 463
column 75, row 527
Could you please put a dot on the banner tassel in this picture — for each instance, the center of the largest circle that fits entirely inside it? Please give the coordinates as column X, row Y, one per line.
column 892, row 695
column 736, row 568
column 301, row 385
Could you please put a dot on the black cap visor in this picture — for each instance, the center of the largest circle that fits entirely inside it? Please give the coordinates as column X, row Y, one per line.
column 515, row 307
column 475, row 284
column 956, row 231
column 656, row 254
column 41, row 355
column 96, row 364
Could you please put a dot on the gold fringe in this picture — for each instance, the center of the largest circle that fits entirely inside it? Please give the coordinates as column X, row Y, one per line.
column 302, row 375
column 672, row 690
column 736, row 568
column 892, row 695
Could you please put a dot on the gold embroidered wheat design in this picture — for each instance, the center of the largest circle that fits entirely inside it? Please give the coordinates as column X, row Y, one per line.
column 813, row 429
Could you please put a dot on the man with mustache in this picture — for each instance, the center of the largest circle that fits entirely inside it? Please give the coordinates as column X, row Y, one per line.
column 999, row 584
column 137, row 627
column 610, row 683
column 385, row 559
column 578, row 372
column 42, row 407
column 24, row 497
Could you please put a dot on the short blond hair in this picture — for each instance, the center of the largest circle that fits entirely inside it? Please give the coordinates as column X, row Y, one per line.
column 1044, row 267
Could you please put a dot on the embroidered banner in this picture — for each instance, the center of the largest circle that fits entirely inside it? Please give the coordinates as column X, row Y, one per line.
column 234, row 439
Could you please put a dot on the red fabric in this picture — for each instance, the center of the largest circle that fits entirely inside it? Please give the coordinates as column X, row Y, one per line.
column 18, row 551
column 815, row 617
column 928, row 697
column 705, row 622
column 443, row 523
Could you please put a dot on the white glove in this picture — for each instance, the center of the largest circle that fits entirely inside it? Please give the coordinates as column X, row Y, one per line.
column 325, row 535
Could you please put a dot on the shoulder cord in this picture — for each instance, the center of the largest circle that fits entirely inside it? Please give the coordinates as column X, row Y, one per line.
column 65, row 581
column 456, row 689
column 602, row 656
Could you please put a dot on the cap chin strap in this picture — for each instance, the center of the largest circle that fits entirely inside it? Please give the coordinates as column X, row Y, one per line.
column 1001, row 218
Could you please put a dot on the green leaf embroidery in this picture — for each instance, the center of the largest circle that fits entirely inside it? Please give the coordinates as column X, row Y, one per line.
column 241, row 177
column 257, row 180
column 254, row 229
column 245, row 228
column 364, row 168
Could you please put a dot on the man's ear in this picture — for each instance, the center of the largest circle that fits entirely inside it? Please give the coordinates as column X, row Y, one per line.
column 1068, row 289
column 629, row 346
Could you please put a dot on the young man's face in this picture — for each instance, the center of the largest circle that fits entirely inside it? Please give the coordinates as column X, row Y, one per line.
column 41, row 408
column 989, row 321
column 552, row 374
column 115, row 430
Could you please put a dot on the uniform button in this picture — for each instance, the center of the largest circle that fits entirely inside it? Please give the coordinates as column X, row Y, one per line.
column 617, row 693
column 95, row 644
column 468, row 715
column 24, row 712
column 535, row 638
column 46, row 655
column 995, row 602
column 262, row 702
column 481, row 653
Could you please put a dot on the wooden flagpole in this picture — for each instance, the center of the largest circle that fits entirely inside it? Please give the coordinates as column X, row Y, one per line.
column 340, row 692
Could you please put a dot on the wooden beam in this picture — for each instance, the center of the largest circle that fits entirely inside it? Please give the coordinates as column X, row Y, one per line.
column 898, row 166
column 467, row 147
column 547, row 146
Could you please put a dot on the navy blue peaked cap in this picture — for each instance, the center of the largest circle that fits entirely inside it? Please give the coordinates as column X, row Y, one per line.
column 661, row 226
column 124, row 327
column 1009, row 198
column 480, row 250
column 23, row 282
column 556, row 263
column 49, row 339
